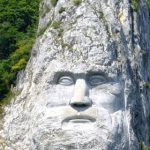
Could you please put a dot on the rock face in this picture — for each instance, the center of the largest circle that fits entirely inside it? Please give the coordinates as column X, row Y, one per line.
column 86, row 84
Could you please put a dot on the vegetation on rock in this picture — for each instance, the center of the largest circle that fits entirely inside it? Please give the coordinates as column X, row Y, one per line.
column 134, row 4
column 143, row 147
column 55, row 24
column 54, row 2
column 18, row 23
column 77, row 2
column 62, row 9
column 148, row 3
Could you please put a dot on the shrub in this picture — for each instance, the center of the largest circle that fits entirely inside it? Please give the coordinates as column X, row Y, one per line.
column 77, row 2
column 148, row 3
column 18, row 23
column 54, row 2
column 134, row 5
column 55, row 24
column 147, row 84
column 17, row 19
column 20, row 65
column 62, row 9
column 41, row 31
column 16, row 62
column 60, row 32
column 143, row 146
column 5, row 102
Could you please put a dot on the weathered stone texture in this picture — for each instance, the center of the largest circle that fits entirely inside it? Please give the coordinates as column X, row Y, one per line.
column 99, row 35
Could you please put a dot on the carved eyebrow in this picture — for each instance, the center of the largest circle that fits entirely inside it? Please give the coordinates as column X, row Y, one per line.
column 90, row 73
column 59, row 74
column 63, row 73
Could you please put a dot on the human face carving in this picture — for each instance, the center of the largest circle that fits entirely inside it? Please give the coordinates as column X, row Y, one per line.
column 86, row 91
column 91, row 91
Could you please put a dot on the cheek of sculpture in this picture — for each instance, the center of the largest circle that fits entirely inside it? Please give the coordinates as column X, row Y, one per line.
column 60, row 95
column 108, row 97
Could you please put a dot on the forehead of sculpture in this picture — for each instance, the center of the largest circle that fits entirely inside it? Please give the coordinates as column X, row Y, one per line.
column 80, row 47
column 57, row 65
column 81, row 36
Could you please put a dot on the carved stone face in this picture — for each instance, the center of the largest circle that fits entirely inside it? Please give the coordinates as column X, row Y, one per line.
column 82, row 103
column 74, row 98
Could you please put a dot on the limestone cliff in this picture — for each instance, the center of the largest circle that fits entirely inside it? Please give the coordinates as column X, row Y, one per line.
column 99, row 49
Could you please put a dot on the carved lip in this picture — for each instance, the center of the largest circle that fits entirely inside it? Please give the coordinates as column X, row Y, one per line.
column 71, row 115
column 78, row 122
column 79, row 119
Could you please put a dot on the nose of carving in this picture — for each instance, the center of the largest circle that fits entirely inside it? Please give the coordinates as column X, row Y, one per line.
column 81, row 94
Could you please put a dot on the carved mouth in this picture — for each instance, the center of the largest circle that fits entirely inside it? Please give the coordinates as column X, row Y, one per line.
column 77, row 122
column 79, row 119
column 72, row 118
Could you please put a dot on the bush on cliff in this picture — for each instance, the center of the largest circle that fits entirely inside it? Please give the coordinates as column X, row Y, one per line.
column 18, row 23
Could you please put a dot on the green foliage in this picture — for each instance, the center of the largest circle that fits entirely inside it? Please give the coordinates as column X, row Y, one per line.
column 7, row 40
column 60, row 32
column 20, row 57
column 20, row 65
column 55, row 24
column 5, row 102
column 143, row 147
column 134, row 5
column 43, row 29
column 147, row 84
column 148, row 3
column 18, row 22
column 54, row 2
column 77, row 2
column 17, row 18
column 62, row 9
column 16, row 62
column 6, row 78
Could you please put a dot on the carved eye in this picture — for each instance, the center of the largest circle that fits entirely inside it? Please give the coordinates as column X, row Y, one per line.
column 95, row 80
column 66, row 80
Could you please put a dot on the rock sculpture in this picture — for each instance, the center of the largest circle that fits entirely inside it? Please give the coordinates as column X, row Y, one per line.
column 84, row 87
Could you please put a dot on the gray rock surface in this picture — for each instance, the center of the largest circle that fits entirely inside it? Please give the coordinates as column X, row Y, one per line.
column 84, row 87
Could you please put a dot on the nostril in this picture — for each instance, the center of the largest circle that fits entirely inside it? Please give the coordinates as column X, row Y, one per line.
column 78, row 103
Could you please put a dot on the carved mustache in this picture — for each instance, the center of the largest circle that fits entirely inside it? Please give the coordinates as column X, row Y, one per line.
column 79, row 113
